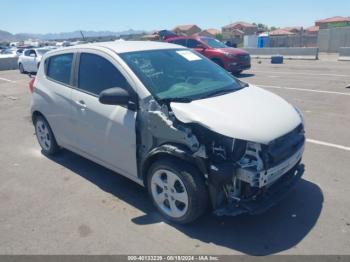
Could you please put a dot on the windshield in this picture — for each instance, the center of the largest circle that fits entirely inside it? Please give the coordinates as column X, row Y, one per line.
column 42, row 51
column 214, row 43
column 180, row 75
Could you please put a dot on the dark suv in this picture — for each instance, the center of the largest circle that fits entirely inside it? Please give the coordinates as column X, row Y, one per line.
column 232, row 59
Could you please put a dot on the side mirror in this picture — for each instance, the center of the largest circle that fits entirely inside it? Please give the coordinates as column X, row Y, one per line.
column 115, row 96
column 32, row 55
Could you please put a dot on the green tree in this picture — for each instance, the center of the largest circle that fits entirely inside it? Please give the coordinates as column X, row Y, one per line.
column 219, row 36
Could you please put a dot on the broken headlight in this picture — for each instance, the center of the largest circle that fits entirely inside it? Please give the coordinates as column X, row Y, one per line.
column 222, row 148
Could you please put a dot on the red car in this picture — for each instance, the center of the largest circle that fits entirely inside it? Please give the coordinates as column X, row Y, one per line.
column 232, row 59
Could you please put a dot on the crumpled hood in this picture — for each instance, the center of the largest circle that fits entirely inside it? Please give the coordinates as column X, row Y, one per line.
column 251, row 114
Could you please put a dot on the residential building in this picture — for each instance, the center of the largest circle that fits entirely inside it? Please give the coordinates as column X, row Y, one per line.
column 294, row 29
column 211, row 32
column 279, row 32
column 312, row 30
column 246, row 28
column 336, row 21
column 186, row 30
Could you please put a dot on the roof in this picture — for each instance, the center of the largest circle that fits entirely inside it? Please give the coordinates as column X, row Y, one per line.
column 280, row 32
column 243, row 24
column 126, row 46
column 292, row 28
column 184, row 27
column 212, row 31
column 313, row 28
column 334, row 19
column 237, row 31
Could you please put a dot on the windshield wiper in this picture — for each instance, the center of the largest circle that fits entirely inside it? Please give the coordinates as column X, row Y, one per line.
column 218, row 92
column 176, row 99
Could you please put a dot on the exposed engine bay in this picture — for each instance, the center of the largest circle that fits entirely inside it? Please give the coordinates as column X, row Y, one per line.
column 242, row 176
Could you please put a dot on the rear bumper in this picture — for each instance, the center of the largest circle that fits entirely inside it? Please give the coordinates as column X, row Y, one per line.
column 273, row 195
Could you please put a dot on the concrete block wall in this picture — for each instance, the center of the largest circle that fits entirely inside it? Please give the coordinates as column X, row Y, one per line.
column 8, row 63
column 310, row 53
column 331, row 40
column 344, row 54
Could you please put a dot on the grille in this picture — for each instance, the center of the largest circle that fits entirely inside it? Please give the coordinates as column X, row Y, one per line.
column 244, row 58
column 283, row 147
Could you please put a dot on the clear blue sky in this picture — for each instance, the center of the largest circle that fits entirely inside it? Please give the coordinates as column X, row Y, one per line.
column 44, row 16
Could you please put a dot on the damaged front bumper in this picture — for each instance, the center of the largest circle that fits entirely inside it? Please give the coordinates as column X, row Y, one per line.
column 266, row 199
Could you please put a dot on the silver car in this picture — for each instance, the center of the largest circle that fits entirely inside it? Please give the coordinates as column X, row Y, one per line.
column 173, row 121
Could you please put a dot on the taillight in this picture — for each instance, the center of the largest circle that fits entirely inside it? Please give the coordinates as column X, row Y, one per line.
column 31, row 84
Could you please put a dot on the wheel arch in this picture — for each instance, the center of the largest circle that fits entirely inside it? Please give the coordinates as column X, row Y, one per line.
column 37, row 113
column 168, row 151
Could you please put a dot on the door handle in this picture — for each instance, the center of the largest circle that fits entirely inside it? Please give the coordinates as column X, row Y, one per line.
column 81, row 104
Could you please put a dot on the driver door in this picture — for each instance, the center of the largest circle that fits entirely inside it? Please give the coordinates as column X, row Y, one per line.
column 105, row 132
column 32, row 61
column 196, row 45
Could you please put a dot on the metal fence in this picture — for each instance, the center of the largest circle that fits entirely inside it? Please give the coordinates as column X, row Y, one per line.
column 301, row 40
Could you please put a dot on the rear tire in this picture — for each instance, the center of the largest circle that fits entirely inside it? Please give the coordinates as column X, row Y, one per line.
column 21, row 68
column 45, row 136
column 178, row 190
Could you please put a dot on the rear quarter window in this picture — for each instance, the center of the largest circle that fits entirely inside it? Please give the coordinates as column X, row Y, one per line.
column 59, row 68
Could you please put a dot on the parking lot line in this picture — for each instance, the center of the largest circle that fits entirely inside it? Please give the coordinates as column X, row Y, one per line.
column 328, row 144
column 306, row 90
column 298, row 73
column 7, row 80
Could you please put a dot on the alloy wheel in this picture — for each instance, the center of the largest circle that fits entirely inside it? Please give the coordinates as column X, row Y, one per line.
column 169, row 193
column 43, row 135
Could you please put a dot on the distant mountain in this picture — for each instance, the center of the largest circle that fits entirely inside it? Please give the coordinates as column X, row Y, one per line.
column 6, row 36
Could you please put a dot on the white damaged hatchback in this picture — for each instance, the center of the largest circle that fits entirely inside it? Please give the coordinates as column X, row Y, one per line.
column 173, row 121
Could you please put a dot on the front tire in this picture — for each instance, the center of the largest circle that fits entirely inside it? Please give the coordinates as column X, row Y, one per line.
column 178, row 190
column 45, row 136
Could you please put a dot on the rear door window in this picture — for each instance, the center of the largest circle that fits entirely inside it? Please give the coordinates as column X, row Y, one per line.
column 59, row 68
column 179, row 42
column 27, row 52
column 97, row 74
column 192, row 43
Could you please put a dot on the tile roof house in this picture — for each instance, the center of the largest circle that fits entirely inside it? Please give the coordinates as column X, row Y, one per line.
column 279, row 32
column 186, row 30
column 211, row 32
column 313, row 29
column 336, row 21
column 247, row 28
column 293, row 29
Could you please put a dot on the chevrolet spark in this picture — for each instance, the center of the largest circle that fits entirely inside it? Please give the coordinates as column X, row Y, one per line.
column 174, row 122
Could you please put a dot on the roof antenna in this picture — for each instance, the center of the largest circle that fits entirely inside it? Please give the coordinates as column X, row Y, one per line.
column 82, row 35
